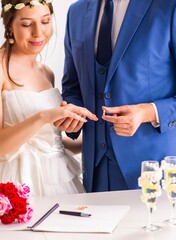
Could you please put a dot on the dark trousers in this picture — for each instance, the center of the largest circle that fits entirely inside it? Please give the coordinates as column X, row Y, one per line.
column 108, row 176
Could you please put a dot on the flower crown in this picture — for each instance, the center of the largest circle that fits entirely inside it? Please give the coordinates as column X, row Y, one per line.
column 20, row 5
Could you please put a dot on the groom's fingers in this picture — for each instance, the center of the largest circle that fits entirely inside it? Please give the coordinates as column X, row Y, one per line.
column 63, row 103
column 74, row 126
column 69, row 125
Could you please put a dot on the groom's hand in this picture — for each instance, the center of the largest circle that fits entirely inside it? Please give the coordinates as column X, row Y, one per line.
column 127, row 119
column 69, row 125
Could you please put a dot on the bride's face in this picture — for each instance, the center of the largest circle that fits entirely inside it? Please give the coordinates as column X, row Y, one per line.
column 32, row 29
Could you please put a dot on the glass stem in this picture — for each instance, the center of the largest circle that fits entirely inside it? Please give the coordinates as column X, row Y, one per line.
column 173, row 210
column 150, row 216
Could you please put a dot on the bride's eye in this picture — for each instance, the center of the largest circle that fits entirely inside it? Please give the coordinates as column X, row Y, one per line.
column 26, row 24
column 45, row 22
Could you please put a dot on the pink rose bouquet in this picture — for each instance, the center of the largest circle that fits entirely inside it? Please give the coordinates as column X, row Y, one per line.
column 14, row 203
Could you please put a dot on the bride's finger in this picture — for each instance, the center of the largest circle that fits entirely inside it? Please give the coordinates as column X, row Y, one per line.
column 82, row 111
column 76, row 116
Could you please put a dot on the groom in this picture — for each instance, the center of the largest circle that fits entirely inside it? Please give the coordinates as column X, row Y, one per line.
column 137, row 86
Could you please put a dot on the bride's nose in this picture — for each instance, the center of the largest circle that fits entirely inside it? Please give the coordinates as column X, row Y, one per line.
column 37, row 30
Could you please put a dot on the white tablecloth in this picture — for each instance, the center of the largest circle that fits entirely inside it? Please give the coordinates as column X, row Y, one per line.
column 128, row 228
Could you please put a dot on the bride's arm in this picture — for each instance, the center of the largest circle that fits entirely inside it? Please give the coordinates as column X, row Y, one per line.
column 12, row 138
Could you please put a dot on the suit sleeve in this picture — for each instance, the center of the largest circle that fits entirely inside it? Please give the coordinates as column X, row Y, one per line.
column 167, row 107
column 70, row 82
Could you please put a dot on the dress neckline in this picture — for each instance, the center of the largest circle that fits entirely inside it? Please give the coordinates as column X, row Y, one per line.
column 27, row 91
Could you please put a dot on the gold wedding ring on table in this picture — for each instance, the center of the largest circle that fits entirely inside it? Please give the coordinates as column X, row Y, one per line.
column 82, row 207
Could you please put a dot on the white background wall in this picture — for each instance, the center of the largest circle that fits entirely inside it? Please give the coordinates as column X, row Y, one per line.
column 53, row 55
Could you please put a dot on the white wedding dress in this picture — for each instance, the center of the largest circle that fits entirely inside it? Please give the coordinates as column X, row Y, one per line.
column 42, row 162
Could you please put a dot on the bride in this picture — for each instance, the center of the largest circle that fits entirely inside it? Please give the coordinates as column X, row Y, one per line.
column 31, row 147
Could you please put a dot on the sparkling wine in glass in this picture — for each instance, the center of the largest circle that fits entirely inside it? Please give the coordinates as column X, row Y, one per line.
column 169, row 183
column 149, row 181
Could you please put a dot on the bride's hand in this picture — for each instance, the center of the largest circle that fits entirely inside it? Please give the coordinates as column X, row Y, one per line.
column 71, row 124
column 69, row 111
column 81, row 111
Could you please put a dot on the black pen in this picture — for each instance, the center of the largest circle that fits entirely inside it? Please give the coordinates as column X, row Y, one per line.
column 44, row 216
column 79, row 214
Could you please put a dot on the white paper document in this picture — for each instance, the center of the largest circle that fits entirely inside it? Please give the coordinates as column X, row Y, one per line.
column 103, row 219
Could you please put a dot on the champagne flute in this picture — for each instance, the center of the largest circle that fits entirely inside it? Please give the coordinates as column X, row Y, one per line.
column 169, row 183
column 149, row 181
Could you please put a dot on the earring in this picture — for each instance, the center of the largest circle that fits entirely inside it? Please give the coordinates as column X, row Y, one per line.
column 10, row 37
column 11, row 41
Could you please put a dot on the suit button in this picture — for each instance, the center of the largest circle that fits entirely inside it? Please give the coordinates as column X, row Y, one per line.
column 108, row 95
column 112, row 129
column 101, row 71
column 170, row 124
column 103, row 145
column 100, row 95
column 101, row 121
column 174, row 123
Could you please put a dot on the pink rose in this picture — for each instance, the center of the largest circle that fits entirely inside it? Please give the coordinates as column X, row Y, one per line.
column 5, row 205
column 23, row 190
column 26, row 217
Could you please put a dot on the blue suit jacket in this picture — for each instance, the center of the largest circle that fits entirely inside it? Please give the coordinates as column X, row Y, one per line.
column 142, row 69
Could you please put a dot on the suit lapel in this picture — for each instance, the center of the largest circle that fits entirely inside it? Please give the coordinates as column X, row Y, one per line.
column 90, row 31
column 135, row 13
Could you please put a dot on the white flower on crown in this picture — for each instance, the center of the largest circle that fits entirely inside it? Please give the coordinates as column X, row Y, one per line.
column 35, row 2
column 48, row 1
column 19, row 6
column 7, row 7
